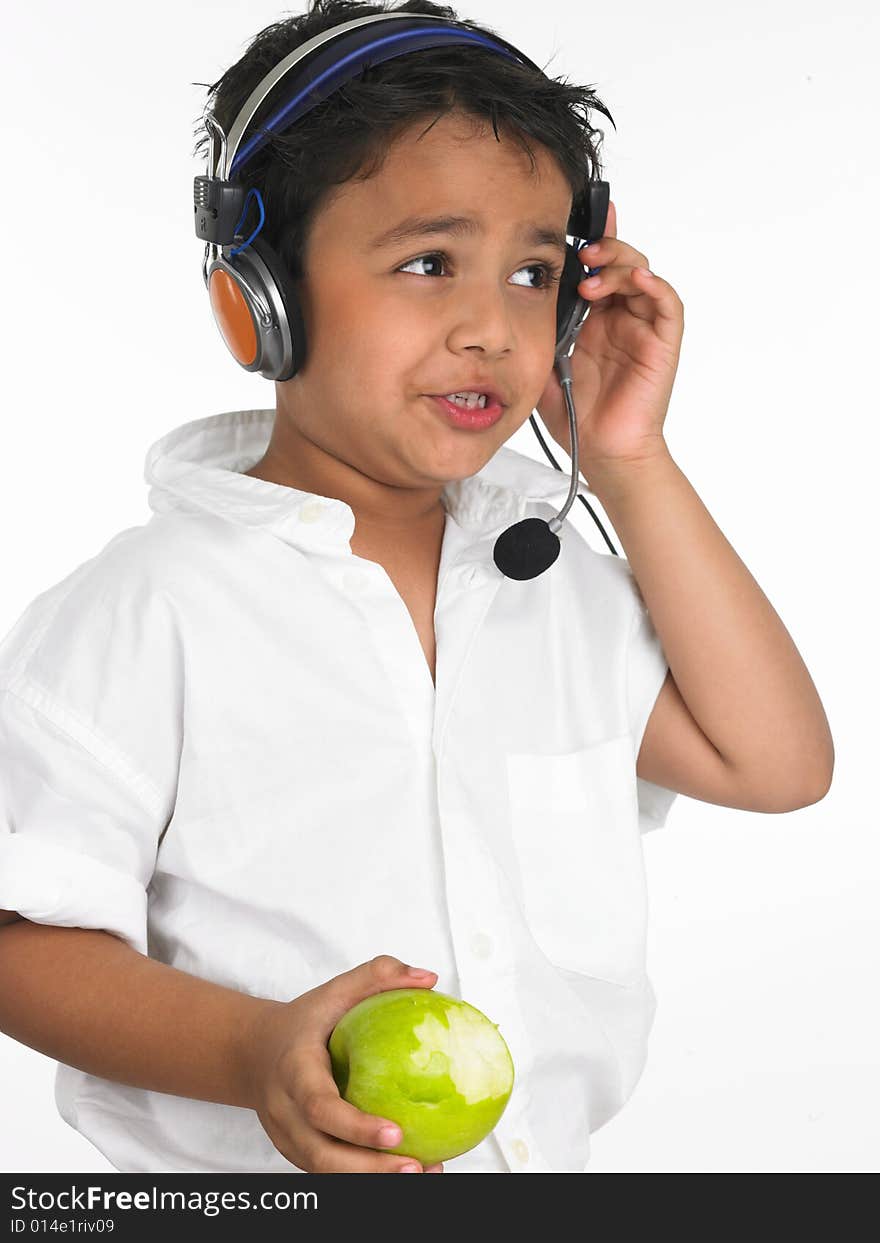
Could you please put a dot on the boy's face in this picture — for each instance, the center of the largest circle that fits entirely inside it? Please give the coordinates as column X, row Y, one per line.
column 383, row 331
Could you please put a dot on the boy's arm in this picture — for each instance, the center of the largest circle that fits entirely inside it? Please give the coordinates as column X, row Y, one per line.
column 739, row 722
column 86, row 998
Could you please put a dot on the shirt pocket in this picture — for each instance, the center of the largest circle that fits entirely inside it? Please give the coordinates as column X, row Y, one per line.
column 574, row 824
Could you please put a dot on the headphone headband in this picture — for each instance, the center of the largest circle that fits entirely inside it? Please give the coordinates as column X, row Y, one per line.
column 354, row 44
column 334, row 57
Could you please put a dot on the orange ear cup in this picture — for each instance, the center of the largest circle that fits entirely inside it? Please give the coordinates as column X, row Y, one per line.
column 233, row 317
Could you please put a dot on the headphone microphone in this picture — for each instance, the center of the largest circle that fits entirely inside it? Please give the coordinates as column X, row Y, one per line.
column 530, row 546
column 253, row 300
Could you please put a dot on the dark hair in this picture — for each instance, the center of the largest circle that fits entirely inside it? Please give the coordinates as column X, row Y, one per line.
column 347, row 135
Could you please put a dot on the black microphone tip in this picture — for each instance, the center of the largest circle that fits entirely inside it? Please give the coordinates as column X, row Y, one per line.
column 526, row 549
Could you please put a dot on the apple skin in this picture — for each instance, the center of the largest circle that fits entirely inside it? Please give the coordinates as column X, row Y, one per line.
column 433, row 1064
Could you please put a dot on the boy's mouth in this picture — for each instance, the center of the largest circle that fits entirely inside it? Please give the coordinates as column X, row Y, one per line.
column 471, row 417
column 472, row 394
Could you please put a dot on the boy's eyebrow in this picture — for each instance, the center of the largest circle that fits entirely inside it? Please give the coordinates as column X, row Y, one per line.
column 460, row 226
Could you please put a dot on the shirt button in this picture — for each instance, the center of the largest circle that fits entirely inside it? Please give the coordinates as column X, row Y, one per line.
column 311, row 511
column 481, row 945
column 520, row 1150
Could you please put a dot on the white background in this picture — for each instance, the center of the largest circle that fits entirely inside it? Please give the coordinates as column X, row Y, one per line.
column 744, row 166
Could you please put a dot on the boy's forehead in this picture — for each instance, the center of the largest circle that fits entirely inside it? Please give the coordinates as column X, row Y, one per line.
column 416, row 226
column 463, row 174
column 468, row 150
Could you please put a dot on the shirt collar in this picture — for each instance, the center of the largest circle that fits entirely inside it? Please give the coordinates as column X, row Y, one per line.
column 197, row 467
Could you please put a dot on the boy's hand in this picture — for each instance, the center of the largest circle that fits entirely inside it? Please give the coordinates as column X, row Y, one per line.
column 297, row 1100
column 624, row 360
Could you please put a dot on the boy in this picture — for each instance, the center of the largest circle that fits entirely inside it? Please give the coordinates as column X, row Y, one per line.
column 238, row 798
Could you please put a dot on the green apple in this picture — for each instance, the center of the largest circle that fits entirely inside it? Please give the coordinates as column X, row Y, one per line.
column 433, row 1064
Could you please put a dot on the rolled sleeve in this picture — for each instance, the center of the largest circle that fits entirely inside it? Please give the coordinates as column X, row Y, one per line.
column 78, row 835
column 646, row 669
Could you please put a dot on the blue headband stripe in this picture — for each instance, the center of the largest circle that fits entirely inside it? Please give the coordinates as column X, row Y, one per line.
column 341, row 72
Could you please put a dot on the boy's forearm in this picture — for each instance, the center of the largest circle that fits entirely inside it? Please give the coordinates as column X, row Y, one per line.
column 733, row 660
column 86, row 998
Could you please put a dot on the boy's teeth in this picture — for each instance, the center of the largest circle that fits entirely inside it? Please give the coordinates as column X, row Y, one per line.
column 469, row 401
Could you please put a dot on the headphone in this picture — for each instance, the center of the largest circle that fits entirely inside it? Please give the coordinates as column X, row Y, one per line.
column 252, row 296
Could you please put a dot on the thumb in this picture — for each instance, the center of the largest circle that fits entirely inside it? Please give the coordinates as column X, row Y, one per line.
column 377, row 975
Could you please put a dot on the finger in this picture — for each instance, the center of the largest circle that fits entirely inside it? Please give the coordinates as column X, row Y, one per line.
column 434, row 1169
column 621, row 280
column 333, row 1156
column 324, row 1155
column 293, row 1134
column 607, row 251
column 328, row 1002
column 325, row 1110
column 663, row 308
column 664, row 301
column 647, row 295
column 611, row 220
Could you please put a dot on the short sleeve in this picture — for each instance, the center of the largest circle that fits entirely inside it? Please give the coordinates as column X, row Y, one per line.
column 646, row 670
column 91, row 722
column 77, row 842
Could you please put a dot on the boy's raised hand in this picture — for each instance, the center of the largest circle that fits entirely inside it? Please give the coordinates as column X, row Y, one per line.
column 624, row 362
column 295, row 1094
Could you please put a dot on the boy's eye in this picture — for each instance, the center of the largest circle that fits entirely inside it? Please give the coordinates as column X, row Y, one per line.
column 550, row 273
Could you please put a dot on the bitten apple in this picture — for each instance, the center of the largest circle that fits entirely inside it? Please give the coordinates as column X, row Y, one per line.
column 433, row 1064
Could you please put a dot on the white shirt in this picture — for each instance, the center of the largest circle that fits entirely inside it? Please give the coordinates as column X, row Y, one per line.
column 220, row 741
